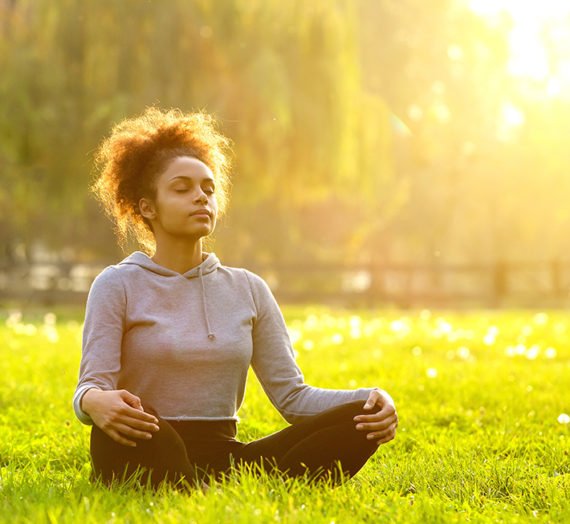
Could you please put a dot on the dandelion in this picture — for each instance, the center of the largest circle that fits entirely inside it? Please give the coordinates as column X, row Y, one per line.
column 377, row 353
column 416, row 351
column 354, row 321
column 329, row 321
column 526, row 330
column 308, row 345
column 563, row 418
column 51, row 334
column 311, row 322
column 355, row 332
column 337, row 338
column 533, row 352
column 493, row 330
column 463, row 352
column 540, row 319
column 14, row 318
column 431, row 372
column 550, row 353
column 510, row 351
column 49, row 319
column 489, row 339
column 443, row 325
column 397, row 325
column 452, row 337
column 425, row 314
column 295, row 335
column 30, row 330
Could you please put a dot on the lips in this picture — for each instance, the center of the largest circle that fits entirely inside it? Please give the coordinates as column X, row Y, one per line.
column 201, row 212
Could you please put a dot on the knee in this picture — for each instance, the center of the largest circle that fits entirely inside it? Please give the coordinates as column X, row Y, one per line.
column 346, row 412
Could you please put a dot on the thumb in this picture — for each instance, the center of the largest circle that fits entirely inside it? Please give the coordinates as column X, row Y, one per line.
column 372, row 399
column 131, row 400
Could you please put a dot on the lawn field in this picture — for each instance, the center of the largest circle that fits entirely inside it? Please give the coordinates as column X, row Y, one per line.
column 483, row 399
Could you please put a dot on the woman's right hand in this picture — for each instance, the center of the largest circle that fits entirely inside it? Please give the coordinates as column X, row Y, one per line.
column 119, row 414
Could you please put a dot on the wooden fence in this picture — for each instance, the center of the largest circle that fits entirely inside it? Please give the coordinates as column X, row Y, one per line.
column 503, row 284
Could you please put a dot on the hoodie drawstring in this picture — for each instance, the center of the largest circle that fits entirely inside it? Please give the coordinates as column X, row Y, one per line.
column 211, row 335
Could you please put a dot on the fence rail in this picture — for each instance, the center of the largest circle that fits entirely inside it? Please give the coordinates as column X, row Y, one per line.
column 524, row 284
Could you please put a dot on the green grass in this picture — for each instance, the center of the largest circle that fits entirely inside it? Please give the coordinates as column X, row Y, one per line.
column 479, row 396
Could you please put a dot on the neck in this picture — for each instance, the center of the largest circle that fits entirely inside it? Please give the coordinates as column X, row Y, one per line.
column 179, row 255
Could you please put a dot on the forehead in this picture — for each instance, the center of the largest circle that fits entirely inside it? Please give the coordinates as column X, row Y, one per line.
column 186, row 166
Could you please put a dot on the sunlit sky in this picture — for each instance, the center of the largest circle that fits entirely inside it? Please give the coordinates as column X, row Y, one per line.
column 539, row 40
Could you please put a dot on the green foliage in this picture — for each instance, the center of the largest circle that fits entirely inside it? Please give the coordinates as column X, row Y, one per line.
column 479, row 397
column 362, row 130
column 283, row 78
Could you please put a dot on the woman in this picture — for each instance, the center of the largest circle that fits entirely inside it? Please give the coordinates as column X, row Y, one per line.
column 168, row 338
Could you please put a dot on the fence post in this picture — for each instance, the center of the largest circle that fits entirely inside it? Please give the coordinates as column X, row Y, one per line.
column 499, row 282
column 555, row 268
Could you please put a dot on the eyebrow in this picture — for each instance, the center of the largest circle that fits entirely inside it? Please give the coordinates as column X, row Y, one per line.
column 185, row 177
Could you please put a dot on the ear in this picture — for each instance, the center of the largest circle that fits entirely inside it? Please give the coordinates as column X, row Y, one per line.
column 146, row 207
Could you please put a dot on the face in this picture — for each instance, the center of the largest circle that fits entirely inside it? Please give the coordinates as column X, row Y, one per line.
column 185, row 203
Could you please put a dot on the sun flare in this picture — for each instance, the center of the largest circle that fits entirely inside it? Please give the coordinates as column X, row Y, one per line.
column 539, row 39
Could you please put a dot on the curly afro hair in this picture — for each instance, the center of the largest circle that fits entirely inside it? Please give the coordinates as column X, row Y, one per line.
column 139, row 149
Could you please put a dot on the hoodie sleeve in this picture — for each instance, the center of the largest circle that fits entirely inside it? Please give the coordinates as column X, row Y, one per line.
column 274, row 364
column 102, row 338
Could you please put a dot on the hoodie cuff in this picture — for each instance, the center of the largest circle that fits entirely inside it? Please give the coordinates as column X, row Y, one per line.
column 83, row 417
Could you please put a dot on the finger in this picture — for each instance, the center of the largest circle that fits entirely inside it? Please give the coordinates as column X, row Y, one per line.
column 385, row 439
column 129, row 431
column 374, row 417
column 131, row 399
column 117, row 437
column 372, row 400
column 137, row 414
column 381, row 435
column 387, row 409
column 377, row 424
column 139, row 424
column 387, row 433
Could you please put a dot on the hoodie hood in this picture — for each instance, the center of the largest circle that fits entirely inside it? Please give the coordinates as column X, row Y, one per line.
column 209, row 265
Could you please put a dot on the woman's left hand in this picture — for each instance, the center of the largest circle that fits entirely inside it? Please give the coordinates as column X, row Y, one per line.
column 381, row 426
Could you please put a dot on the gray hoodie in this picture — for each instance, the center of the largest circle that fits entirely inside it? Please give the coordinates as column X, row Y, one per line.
column 183, row 343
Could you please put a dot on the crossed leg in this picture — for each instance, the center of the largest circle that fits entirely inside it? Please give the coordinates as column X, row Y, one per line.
column 323, row 446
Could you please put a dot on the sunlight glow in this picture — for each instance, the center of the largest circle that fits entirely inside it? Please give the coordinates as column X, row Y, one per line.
column 537, row 40
column 431, row 372
column 511, row 115
column 550, row 353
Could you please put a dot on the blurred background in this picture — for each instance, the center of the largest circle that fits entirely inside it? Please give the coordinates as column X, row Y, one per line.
column 400, row 152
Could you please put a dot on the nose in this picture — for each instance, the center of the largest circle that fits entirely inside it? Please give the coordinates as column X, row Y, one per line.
column 201, row 197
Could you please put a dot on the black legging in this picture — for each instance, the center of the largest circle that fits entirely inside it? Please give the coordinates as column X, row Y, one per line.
column 323, row 446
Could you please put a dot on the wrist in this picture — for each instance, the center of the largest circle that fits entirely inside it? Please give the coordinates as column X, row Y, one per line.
column 87, row 399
